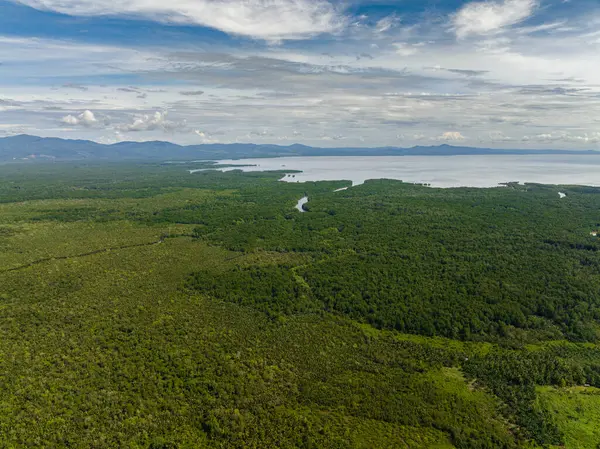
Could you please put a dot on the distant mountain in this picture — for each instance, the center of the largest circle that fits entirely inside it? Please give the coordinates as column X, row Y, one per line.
column 31, row 148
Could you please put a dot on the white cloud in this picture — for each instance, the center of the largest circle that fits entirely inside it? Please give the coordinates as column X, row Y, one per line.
column 205, row 137
column 490, row 17
column 262, row 19
column 558, row 26
column 86, row 119
column 151, row 122
column 385, row 24
column 70, row 120
column 450, row 136
column 405, row 49
column 519, row 83
column 561, row 136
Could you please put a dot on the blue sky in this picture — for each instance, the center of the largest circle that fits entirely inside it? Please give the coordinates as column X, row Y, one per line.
column 504, row 73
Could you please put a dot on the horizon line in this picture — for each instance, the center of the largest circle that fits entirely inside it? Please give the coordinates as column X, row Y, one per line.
column 141, row 142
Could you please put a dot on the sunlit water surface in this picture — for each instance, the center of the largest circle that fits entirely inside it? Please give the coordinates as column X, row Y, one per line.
column 438, row 171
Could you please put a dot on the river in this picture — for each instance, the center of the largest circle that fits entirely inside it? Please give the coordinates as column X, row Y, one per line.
column 301, row 202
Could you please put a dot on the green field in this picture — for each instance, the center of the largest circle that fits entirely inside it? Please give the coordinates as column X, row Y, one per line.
column 143, row 307
column 577, row 414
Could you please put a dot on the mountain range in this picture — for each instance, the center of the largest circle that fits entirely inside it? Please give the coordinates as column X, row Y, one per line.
column 31, row 148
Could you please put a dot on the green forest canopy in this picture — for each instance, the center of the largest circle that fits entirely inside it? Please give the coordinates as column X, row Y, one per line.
column 144, row 307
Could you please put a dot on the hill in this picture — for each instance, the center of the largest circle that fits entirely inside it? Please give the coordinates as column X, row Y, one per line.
column 31, row 148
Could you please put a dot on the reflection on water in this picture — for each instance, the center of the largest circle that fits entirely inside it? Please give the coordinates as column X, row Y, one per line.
column 301, row 202
column 438, row 171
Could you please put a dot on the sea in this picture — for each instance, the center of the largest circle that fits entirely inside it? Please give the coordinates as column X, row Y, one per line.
column 436, row 171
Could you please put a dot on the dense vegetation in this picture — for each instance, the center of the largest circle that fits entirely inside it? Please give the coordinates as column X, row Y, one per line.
column 141, row 306
column 466, row 263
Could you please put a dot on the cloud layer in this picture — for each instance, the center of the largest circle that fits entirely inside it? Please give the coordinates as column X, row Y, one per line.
column 513, row 73
column 491, row 17
column 262, row 19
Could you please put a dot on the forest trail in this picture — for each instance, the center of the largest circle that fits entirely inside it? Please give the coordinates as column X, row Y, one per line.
column 76, row 256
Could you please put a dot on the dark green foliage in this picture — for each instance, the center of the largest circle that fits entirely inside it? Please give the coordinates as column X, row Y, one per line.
column 275, row 285
column 467, row 263
column 123, row 344
column 512, row 375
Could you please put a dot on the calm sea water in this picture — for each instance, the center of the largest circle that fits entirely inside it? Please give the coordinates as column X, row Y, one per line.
column 439, row 171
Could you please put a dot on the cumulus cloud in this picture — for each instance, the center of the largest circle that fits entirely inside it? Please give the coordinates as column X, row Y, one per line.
column 206, row 137
column 521, row 85
column 450, row 136
column 262, row 19
column 150, row 122
column 86, row 119
column 488, row 17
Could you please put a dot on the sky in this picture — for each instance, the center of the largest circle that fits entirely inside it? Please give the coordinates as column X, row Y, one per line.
column 328, row 73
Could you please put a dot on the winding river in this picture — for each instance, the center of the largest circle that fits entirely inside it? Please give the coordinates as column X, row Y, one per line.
column 301, row 202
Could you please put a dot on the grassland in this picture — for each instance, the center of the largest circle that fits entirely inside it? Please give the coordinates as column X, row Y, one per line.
column 577, row 414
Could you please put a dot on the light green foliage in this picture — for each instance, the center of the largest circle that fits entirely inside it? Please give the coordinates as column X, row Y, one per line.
column 577, row 414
